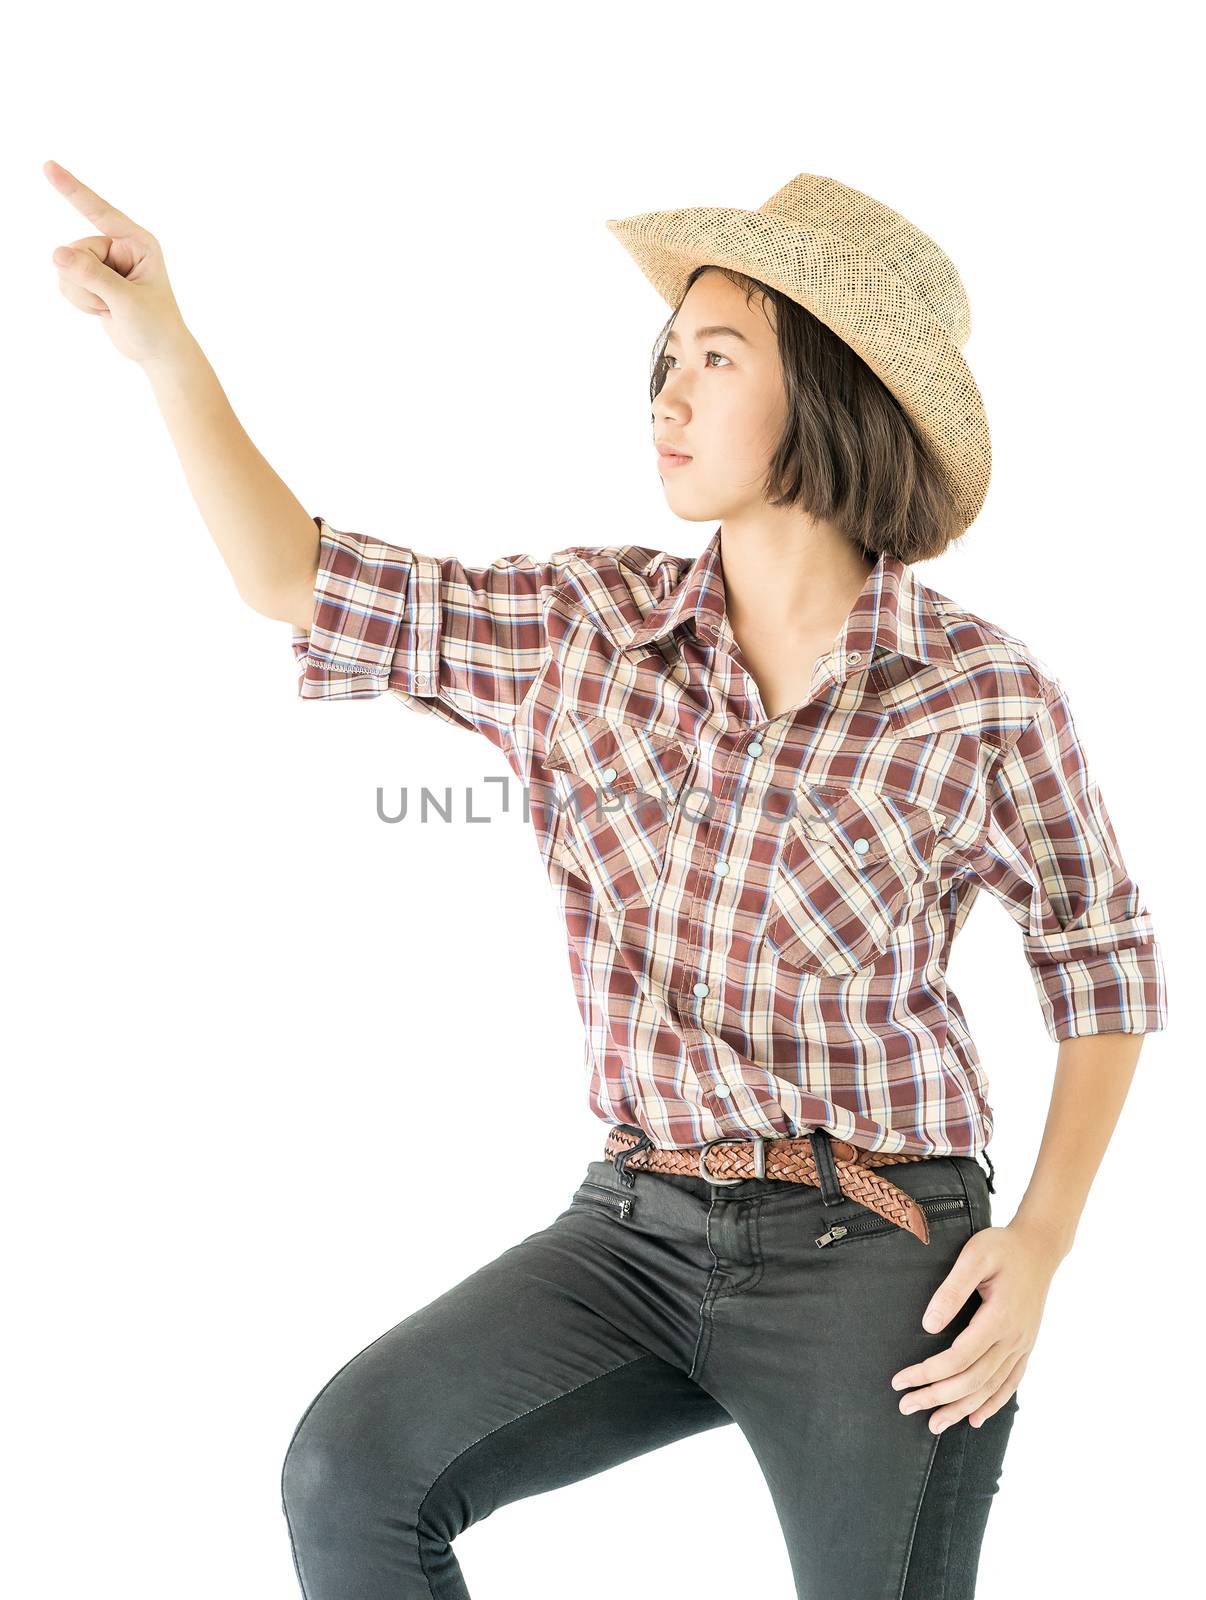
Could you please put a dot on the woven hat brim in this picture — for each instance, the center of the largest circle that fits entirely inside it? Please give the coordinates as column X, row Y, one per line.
column 863, row 302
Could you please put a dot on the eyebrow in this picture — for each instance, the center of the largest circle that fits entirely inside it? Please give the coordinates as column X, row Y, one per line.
column 712, row 333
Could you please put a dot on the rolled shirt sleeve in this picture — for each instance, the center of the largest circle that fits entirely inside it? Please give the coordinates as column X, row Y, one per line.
column 1049, row 853
column 461, row 643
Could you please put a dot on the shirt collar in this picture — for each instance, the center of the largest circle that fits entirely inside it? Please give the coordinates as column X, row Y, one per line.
column 894, row 613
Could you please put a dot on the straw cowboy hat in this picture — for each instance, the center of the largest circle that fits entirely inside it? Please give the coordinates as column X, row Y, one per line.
column 878, row 282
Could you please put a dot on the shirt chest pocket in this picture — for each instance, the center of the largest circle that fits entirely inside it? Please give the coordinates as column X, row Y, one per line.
column 846, row 878
column 619, row 788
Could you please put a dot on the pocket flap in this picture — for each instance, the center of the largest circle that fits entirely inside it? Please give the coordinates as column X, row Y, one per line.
column 868, row 827
column 617, row 757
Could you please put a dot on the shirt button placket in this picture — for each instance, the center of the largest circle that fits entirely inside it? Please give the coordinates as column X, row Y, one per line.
column 754, row 748
column 722, row 1090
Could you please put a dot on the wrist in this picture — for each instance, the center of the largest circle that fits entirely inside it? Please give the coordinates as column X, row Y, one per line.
column 1052, row 1240
column 179, row 355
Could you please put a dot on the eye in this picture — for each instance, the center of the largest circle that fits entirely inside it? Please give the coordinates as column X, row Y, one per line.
column 708, row 354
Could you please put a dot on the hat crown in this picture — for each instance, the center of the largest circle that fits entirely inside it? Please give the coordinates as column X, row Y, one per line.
column 809, row 201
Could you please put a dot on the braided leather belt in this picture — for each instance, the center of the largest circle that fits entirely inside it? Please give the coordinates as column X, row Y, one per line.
column 827, row 1163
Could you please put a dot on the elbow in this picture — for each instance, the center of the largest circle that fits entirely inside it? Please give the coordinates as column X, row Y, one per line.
column 283, row 602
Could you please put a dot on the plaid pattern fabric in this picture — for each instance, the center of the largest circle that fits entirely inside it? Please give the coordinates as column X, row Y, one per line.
column 759, row 910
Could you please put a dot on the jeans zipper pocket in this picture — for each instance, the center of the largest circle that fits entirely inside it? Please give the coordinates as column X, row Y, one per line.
column 933, row 1206
column 619, row 1205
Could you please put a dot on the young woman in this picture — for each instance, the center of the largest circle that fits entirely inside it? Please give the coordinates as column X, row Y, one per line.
column 768, row 783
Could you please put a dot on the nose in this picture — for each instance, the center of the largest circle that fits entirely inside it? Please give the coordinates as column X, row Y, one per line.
column 669, row 410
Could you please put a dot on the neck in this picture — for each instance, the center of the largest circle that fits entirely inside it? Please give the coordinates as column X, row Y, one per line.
column 799, row 579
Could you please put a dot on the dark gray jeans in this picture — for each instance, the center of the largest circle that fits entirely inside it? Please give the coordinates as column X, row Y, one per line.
column 655, row 1307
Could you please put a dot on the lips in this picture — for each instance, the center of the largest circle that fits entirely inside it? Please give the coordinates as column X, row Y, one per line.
column 668, row 457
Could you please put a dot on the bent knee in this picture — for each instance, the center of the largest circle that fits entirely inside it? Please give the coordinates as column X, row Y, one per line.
column 344, row 1453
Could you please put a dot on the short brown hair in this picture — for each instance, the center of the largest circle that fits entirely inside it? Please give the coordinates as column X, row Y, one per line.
column 849, row 453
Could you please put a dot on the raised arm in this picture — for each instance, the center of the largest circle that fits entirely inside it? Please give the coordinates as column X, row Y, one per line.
column 265, row 535
column 461, row 643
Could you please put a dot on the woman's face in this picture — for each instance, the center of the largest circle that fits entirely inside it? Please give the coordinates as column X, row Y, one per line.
column 722, row 403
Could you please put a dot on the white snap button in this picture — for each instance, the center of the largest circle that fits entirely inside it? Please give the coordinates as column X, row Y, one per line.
column 420, row 677
column 755, row 749
column 609, row 774
column 854, row 655
column 723, row 1091
column 862, row 846
column 699, row 988
column 721, row 869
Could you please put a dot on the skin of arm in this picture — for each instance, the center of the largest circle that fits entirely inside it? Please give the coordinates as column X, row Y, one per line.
column 263, row 532
column 118, row 275
column 1012, row 1267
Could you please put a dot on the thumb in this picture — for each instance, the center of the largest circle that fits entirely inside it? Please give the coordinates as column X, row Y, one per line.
column 84, row 264
column 952, row 1293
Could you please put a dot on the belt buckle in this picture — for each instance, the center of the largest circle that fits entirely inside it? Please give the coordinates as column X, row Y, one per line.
column 757, row 1140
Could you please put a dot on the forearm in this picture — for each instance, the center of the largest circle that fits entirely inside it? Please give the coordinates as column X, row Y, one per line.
column 1092, row 1077
column 264, row 534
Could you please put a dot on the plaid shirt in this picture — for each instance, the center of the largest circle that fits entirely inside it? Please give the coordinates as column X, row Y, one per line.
column 759, row 909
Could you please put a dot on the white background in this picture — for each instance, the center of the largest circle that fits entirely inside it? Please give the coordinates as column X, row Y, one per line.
column 279, row 1073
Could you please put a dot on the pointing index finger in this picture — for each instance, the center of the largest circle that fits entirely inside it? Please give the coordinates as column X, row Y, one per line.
column 114, row 224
